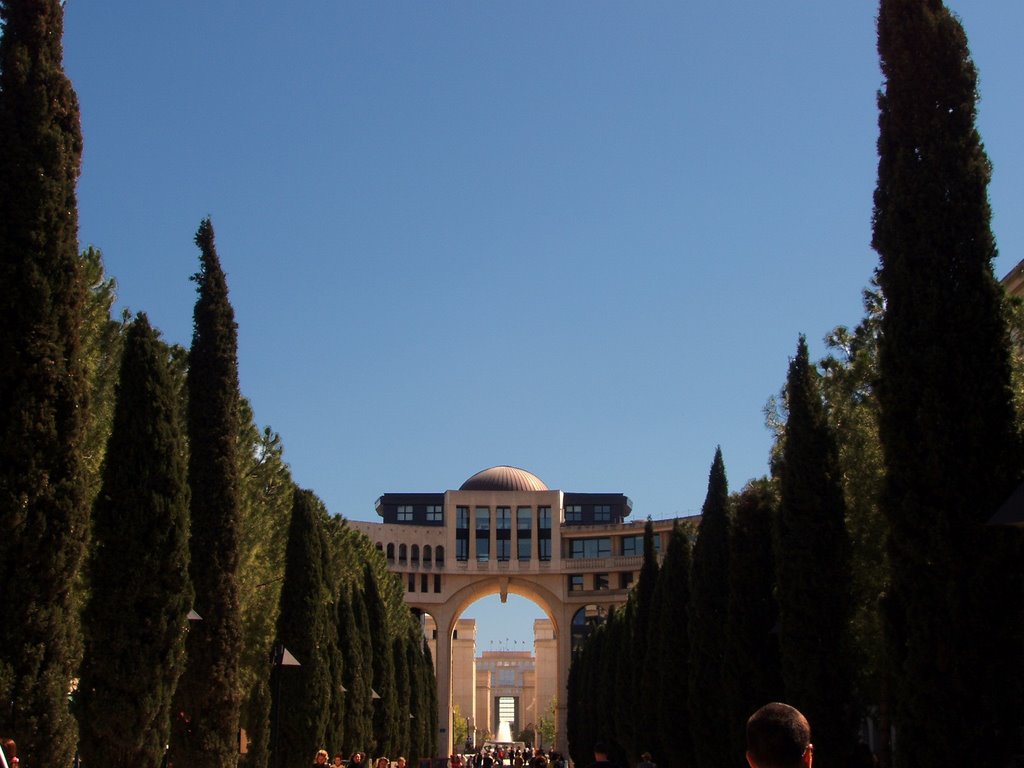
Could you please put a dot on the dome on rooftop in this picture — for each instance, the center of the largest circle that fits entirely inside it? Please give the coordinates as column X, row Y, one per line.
column 504, row 479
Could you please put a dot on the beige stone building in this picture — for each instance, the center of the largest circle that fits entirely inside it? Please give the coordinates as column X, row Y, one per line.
column 504, row 531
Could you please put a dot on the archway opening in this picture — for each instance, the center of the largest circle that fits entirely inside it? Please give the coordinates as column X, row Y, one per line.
column 505, row 673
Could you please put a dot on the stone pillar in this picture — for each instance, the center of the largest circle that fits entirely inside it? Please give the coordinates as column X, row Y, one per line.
column 443, row 662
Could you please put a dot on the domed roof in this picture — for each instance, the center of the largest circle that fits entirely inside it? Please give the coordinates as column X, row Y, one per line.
column 504, row 479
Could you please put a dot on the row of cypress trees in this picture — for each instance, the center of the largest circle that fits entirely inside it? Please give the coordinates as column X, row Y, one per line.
column 884, row 590
column 366, row 679
column 713, row 647
column 142, row 462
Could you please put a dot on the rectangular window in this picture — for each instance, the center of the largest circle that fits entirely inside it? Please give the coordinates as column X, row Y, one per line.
column 576, row 582
column 503, row 533
column 600, row 581
column 434, row 513
column 625, row 580
column 483, row 534
column 602, row 513
column 590, row 547
column 573, row 513
column 437, row 583
column 544, row 533
column 524, row 532
column 405, row 514
column 633, row 546
column 462, row 534
column 423, row 582
column 412, row 582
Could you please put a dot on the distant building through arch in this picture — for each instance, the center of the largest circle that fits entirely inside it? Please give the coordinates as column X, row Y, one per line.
column 573, row 554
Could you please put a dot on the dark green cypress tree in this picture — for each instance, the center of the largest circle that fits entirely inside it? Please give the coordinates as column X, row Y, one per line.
column 403, row 695
column 709, row 719
column 358, row 672
column 752, row 667
column 952, row 453
column 574, row 702
column 385, row 709
column 430, row 685
column 812, row 565
column 302, row 693
column 43, row 510
column 334, row 735
column 620, row 687
column 208, row 702
column 645, row 674
column 672, row 654
column 419, row 681
column 135, row 621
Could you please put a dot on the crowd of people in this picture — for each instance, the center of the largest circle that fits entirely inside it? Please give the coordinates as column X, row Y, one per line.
column 487, row 757
column 778, row 736
column 355, row 760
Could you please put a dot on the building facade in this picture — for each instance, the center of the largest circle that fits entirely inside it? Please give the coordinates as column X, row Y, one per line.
column 574, row 554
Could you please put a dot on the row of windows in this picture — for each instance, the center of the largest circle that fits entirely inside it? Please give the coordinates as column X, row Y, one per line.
column 601, row 581
column 424, row 582
column 430, row 555
column 435, row 513
column 631, row 546
column 574, row 513
column 503, row 518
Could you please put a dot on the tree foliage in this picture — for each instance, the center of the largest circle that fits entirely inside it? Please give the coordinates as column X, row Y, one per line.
column 708, row 605
column 952, row 450
column 302, row 693
column 135, row 620
column 43, row 505
column 752, row 674
column 812, row 564
column 209, row 691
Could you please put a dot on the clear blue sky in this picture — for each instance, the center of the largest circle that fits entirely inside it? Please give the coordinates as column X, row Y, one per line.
column 576, row 237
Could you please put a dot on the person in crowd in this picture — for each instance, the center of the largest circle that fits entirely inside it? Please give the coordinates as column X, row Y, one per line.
column 320, row 758
column 356, row 760
column 601, row 757
column 645, row 761
column 338, row 761
column 779, row 736
column 382, row 762
column 400, row 762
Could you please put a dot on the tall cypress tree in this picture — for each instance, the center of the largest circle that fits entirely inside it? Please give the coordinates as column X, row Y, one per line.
column 43, row 511
column 672, row 653
column 710, row 590
column 952, row 454
column 403, row 695
column 209, row 698
column 385, row 709
column 302, row 694
column 645, row 674
column 812, row 565
column 135, row 621
column 358, row 672
column 752, row 667
column 430, row 686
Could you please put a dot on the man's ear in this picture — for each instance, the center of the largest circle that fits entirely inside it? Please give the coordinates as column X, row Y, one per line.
column 750, row 760
column 808, row 757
